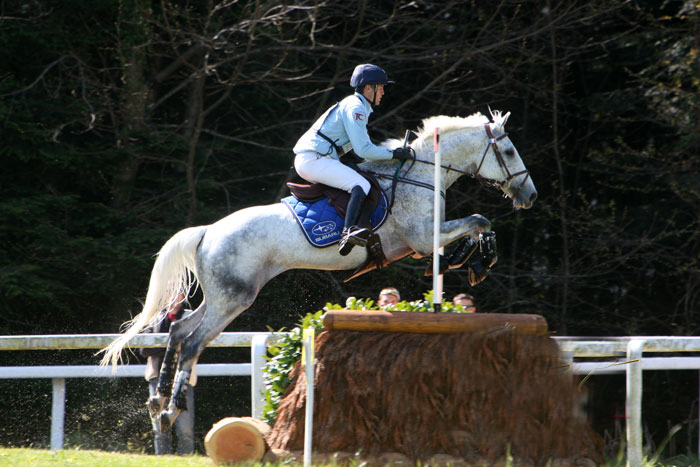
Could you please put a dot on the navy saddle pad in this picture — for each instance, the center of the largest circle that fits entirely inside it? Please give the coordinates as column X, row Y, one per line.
column 320, row 222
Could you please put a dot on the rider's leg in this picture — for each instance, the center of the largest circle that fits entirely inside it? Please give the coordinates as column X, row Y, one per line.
column 353, row 235
column 324, row 169
column 332, row 172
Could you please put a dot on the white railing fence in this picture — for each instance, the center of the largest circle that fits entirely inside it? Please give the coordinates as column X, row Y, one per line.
column 630, row 352
column 257, row 341
column 588, row 356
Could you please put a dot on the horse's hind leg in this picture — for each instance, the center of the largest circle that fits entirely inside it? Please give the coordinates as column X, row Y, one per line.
column 193, row 345
column 178, row 331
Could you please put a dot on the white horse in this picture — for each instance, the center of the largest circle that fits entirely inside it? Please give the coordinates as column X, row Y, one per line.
column 235, row 257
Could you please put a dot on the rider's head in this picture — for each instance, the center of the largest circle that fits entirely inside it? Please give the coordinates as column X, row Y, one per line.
column 369, row 80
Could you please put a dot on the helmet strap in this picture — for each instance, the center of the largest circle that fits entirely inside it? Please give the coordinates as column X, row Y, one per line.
column 374, row 96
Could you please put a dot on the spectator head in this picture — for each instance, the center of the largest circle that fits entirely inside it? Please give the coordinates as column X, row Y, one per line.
column 388, row 296
column 466, row 300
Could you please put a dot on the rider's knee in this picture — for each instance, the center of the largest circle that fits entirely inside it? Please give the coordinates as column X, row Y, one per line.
column 364, row 184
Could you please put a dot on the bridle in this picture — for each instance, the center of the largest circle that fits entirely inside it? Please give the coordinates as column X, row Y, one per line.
column 492, row 143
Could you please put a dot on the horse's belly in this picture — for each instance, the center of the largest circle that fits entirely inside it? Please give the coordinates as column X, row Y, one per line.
column 268, row 236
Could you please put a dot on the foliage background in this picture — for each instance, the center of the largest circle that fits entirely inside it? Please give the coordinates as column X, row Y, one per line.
column 123, row 121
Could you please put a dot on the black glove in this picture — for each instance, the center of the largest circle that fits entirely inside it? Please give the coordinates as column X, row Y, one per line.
column 403, row 154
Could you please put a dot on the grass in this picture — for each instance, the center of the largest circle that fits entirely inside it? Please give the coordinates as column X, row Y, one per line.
column 75, row 457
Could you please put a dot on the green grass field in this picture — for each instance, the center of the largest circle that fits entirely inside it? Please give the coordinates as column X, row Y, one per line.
column 74, row 457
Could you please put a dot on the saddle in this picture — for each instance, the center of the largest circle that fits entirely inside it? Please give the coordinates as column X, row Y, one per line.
column 339, row 198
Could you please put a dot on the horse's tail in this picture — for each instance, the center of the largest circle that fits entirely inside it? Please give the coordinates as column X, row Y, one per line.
column 172, row 274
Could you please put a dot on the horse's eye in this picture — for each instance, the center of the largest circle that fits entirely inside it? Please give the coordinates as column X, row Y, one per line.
column 510, row 152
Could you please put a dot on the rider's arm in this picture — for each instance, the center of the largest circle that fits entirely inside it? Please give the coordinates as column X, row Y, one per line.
column 355, row 122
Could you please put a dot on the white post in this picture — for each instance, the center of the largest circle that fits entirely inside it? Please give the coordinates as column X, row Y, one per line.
column 308, row 361
column 258, row 350
column 633, row 410
column 58, row 412
column 437, row 220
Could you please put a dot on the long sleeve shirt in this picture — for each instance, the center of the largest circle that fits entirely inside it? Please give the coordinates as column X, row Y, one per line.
column 346, row 125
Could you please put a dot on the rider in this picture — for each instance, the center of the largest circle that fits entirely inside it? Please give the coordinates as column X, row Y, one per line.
column 341, row 128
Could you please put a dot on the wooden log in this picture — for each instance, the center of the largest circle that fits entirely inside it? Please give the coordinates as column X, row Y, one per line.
column 233, row 440
column 431, row 323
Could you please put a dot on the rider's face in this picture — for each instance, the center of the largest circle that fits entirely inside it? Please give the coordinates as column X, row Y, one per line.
column 369, row 93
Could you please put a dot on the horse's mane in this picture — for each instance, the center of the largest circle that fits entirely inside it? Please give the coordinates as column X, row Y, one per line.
column 446, row 123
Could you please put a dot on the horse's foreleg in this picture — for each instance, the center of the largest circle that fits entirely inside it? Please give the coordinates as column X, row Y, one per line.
column 458, row 228
column 449, row 232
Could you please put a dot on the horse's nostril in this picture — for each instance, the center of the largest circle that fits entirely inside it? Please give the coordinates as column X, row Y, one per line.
column 533, row 196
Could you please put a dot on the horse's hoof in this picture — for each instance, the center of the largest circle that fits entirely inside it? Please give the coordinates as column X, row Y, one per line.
column 155, row 405
column 166, row 420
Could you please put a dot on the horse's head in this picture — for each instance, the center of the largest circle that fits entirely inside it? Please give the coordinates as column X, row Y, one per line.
column 500, row 164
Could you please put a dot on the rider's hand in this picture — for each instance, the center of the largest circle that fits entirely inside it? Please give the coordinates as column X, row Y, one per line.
column 403, row 154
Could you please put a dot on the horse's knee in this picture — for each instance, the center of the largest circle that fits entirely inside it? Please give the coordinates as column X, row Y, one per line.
column 480, row 222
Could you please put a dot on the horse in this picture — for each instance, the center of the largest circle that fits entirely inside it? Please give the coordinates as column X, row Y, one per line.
column 233, row 258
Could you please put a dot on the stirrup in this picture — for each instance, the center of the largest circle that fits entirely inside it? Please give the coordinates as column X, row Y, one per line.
column 352, row 237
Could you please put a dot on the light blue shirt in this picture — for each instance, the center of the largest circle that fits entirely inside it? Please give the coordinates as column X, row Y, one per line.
column 346, row 124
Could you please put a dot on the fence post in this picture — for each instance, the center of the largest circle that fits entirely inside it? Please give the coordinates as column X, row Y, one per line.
column 633, row 411
column 437, row 220
column 258, row 350
column 58, row 412
column 307, row 359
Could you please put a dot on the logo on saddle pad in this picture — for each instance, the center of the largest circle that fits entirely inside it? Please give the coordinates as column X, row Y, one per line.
column 323, row 228
column 320, row 222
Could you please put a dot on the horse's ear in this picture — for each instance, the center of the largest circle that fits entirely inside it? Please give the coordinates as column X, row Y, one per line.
column 504, row 120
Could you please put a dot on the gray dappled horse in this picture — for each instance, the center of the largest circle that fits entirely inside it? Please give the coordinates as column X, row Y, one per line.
column 235, row 257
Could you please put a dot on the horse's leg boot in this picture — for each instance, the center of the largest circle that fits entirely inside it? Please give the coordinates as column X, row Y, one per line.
column 462, row 253
column 179, row 398
column 167, row 371
column 443, row 268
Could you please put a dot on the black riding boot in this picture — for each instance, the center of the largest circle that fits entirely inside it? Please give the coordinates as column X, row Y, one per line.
column 352, row 234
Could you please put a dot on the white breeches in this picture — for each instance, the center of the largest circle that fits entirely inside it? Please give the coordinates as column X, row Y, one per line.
column 324, row 169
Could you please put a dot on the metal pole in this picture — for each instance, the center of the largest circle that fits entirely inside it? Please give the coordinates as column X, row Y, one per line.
column 258, row 350
column 437, row 219
column 633, row 414
column 58, row 412
column 308, row 360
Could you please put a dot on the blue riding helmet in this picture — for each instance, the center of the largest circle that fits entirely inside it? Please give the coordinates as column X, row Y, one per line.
column 368, row 74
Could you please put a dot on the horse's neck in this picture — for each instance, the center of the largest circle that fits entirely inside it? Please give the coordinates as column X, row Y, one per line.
column 459, row 150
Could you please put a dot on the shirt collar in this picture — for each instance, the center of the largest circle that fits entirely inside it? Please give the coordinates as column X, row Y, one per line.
column 365, row 102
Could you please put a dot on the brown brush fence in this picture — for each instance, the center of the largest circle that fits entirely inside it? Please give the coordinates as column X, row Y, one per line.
column 467, row 395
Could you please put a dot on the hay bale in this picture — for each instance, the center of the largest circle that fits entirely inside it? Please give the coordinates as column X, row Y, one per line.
column 463, row 395
column 233, row 440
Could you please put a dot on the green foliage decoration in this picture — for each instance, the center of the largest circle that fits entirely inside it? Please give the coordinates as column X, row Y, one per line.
column 286, row 352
